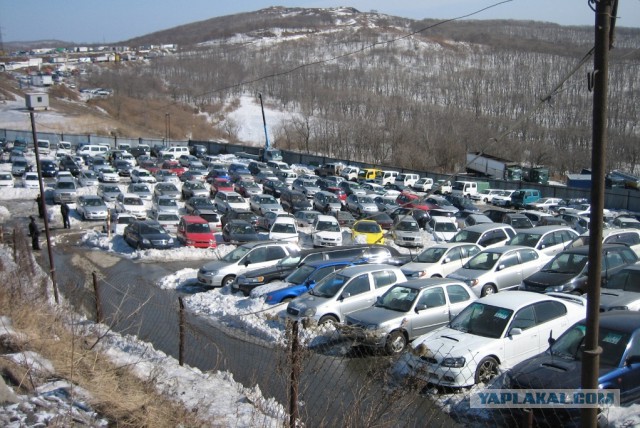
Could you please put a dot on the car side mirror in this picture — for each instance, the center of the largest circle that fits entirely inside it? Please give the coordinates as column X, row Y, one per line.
column 345, row 295
column 446, row 260
column 515, row 331
column 309, row 284
column 421, row 307
column 632, row 359
column 501, row 267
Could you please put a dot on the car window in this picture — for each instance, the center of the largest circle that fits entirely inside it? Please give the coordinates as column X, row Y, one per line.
column 525, row 318
column 433, row 298
column 548, row 240
column 457, row 293
column 345, row 254
column 358, row 285
column 455, row 254
column 470, row 251
column 258, row 255
column 383, row 278
column 509, row 260
column 527, row 256
column 492, row 237
column 614, row 260
column 549, row 310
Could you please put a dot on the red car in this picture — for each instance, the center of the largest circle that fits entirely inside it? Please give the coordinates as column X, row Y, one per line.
column 173, row 166
column 194, row 231
column 220, row 185
column 340, row 194
column 411, row 200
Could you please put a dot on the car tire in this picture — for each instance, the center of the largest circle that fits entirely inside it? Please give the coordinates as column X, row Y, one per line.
column 488, row 289
column 487, row 369
column 227, row 280
column 327, row 320
column 396, row 342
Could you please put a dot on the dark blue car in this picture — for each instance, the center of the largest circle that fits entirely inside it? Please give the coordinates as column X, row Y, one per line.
column 305, row 278
column 561, row 365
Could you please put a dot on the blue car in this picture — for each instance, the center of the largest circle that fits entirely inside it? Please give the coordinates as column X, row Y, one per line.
column 561, row 365
column 305, row 278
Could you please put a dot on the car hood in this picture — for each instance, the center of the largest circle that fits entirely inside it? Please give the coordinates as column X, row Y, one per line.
column 244, row 237
column 201, row 236
column 549, row 279
column 377, row 315
column 328, row 234
column 215, row 265
column 156, row 237
column 447, row 342
column 615, row 298
column 464, row 274
column 548, row 372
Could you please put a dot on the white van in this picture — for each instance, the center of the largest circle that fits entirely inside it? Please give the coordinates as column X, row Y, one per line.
column 174, row 152
column 387, row 177
column 407, row 180
column 92, row 150
column 44, row 147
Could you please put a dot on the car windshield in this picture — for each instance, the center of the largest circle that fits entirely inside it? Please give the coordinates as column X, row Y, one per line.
column 569, row 263
column 196, row 186
column 198, row 228
column 89, row 174
column 466, row 236
column 526, row 239
column 482, row 320
column 139, row 188
column 201, row 202
column 236, row 254
column 625, row 280
column 485, row 260
column 93, row 202
column 266, row 200
column 409, row 226
column 431, row 255
column 235, row 199
column 328, row 226
column 330, row 199
column 330, row 285
column 167, row 187
column 133, row 201
column 571, row 345
column 367, row 227
column 167, row 202
column 147, row 229
column 445, row 227
column 63, row 184
column 300, row 275
column 5, row 177
column 283, row 228
column 168, row 218
column 241, row 229
column 111, row 189
column 521, row 223
column 398, row 298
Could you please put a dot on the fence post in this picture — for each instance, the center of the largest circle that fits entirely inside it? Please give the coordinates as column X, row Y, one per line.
column 15, row 246
column 181, row 329
column 295, row 375
column 96, row 291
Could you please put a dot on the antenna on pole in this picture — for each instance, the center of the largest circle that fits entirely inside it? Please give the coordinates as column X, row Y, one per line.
column 264, row 121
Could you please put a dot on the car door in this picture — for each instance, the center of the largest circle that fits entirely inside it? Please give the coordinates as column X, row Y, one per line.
column 629, row 375
column 357, row 294
column 452, row 261
column 430, row 312
column 524, row 342
column 508, row 271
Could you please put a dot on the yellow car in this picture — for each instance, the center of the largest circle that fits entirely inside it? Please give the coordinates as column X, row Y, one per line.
column 371, row 231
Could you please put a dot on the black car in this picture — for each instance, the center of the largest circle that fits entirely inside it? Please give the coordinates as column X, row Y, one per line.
column 567, row 271
column 274, row 187
column 147, row 234
column 198, row 151
column 383, row 219
column 123, row 168
column 239, row 231
column 68, row 164
column 198, row 202
column 560, row 367
column 248, row 216
column 48, row 168
column 462, row 203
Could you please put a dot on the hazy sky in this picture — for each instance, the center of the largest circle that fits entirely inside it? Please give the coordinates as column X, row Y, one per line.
column 92, row 21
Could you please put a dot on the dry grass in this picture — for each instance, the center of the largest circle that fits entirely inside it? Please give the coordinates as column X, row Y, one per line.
column 117, row 394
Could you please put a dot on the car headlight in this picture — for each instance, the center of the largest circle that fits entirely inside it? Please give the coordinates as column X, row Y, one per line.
column 472, row 282
column 556, row 288
column 146, row 241
column 257, row 279
column 308, row 312
column 458, row 362
column 619, row 308
column 170, row 240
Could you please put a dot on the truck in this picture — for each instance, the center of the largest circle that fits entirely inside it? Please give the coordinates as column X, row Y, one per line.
column 350, row 173
column 468, row 188
column 485, row 165
column 329, row 169
column 536, row 174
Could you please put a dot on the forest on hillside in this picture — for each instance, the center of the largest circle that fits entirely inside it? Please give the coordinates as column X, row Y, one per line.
column 372, row 93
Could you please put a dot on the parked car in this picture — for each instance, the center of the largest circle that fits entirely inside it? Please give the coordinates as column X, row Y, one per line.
column 495, row 332
column 560, row 366
column 118, row 222
column 140, row 175
column 628, row 237
column 194, row 188
column 168, row 220
column 503, row 199
column 367, row 231
column 6, row 180
column 622, row 291
column 567, row 271
column 147, row 234
column 65, row 190
column 485, row 235
column 220, row 184
column 274, row 187
column 108, row 192
column 108, row 175
column 239, row 231
column 249, row 256
column 225, row 201
column 91, row 207
column 284, row 228
column 241, row 215
column 48, row 168
column 166, row 189
column 406, row 232
column 247, row 188
column 345, row 219
column 442, row 228
column 194, row 231
column 440, row 260
column 165, row 204
column 132, row 204
column 293, row 201
column 266, row 221
column 306, row 218
column 30, row 180
column 141, row 190
column 88, row 178
column 549, row 240
column 517, row 221
column 262, row 204
column 326, row 202
column 343, row 292
column 326, row 232
column 405, row 311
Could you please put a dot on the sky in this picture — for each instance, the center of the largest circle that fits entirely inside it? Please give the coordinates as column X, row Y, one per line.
column 92, row 21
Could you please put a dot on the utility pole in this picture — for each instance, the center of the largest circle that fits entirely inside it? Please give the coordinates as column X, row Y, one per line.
column 264, row 121
column 167, row 127
column 44, row 103
column 592, row 351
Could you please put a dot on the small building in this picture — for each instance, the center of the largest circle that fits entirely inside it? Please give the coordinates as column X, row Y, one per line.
column 37, row 100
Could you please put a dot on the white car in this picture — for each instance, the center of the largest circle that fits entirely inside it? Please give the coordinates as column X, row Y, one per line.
column 225, row 201
column 440, row 260
column 406, row 232
column 486, row 195
column 491, row 334
column 30, row 180
column 108, row 175
column 166, row 204
column 88, row 178
column 284, row 229
column 140, row 175
column 168, row 220
column 503, row 199
column 442, row 228
column 6, row 180
column 132, row 204
column 326, row 231
column 118, row 221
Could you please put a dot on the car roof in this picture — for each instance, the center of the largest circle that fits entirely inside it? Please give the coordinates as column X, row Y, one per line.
column 545, row 229
column 626, row 321
column 515, row 299
column 505, row 248
column 421, row 284
column 483, row 227
column 360, row 269
column 584, row 249
column 323, row 217
column 193, row 219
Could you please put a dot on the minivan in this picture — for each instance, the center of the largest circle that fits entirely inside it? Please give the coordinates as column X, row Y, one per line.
column 293, row 201
column 406, row 179
column 345, row 291
column 174, row 152
column 92, row 150
column 44, row 147
column 522, row 197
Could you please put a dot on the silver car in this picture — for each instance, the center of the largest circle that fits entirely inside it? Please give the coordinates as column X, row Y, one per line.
column 499, row 268
column 326, row 202
column 361, row 204
column 141, row 190
column 550, row 240
column 91, row 207
column 406, row 311
column 262, row 204
column 440, row 260
column 108, row 192
column 622, row 290
column 348, row 290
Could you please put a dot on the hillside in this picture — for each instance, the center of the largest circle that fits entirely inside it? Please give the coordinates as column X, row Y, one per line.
column 377, row 88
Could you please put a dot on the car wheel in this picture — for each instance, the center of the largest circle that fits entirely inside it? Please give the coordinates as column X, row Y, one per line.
column 138, row 246
column 488, row 289
column 436, row 276
column 227, row 280
column 396, row 342
column 84, row 216
column 487, row 370
column 328, row 320
column 286, row 300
